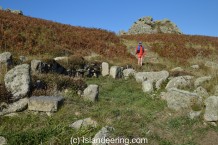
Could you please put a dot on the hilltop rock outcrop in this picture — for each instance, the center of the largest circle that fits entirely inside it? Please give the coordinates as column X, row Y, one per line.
column 146, row 25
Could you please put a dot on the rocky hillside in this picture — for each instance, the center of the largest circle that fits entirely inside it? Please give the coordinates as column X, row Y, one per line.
column 147, row 25
column 72, row 100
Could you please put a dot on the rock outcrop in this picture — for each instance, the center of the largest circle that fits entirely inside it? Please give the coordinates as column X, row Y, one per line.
column 146, row 25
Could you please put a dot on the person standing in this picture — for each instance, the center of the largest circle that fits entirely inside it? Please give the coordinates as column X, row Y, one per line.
column 140, row 51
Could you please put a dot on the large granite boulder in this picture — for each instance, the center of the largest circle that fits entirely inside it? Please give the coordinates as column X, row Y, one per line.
column 211, row 111
column 128, row 72
column 151, row 76
column 18, row 81
column 181, row 81
column 45, row 103
column 146, row 25
column 180, row 99
column 18, row 106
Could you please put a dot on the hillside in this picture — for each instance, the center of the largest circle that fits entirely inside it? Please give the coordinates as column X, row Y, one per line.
column 172, row 99
column 178, row 47
column 31, row 36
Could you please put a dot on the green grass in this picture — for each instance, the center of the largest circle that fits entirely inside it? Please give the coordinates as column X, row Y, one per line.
column 122, row 105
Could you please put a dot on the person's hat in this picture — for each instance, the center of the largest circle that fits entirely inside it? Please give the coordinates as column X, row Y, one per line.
column 140, row 42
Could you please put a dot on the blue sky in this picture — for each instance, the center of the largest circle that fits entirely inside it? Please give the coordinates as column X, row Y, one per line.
column 194, row 17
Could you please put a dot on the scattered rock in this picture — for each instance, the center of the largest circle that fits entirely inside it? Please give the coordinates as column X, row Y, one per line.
column 103, row 134
column 180, row 99
column 211, row 65
column 6, row 58
column 16, row 107
column 105, row 69
column 91, row 93
column 151, row 76
column 128, row 72
column 57, row 68
column 147, row 87
column 23, row 59
column 159, row 83
column 195, row 66
column 36, row 66
column 211, row 111
column 181, row 81
column 63, row 58
column 12, row 115
column 17, row 81
column 83, row 123
column 3, row 141
column 45, row 103
column 177, row 69
column 199, row 81
column 216, row 90
column 194, row 114
column 115, row 72
column 202, row 92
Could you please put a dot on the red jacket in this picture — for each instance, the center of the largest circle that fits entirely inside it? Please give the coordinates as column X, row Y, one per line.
column 141, row 51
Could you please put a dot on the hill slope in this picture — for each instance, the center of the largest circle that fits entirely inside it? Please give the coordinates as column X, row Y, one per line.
column 178, row 47
column 25, row 35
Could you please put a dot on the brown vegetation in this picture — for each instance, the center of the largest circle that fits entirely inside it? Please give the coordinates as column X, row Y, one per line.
column 31, row 36
column 179, row 47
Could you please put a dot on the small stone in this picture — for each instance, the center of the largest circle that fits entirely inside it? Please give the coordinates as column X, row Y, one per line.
column 3, row 141
column 45, row 103
column 105, row 69
column 91, row 93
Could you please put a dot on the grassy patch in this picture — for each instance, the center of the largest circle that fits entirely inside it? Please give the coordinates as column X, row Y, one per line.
column 122, row 105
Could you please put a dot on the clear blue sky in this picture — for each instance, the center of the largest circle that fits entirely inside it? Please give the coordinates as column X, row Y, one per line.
column 195, row 17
